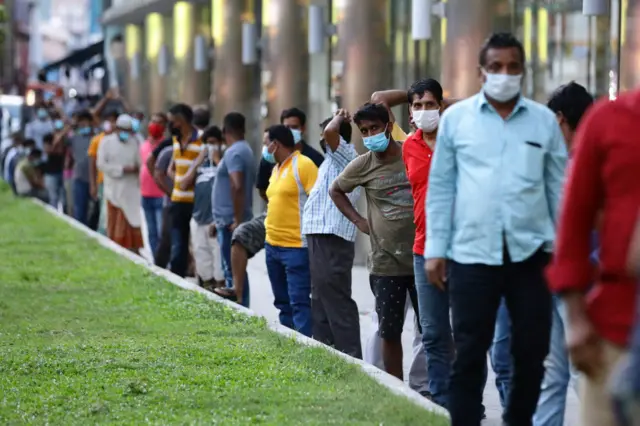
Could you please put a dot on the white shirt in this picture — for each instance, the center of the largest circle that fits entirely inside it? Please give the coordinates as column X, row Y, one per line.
column 121, row 189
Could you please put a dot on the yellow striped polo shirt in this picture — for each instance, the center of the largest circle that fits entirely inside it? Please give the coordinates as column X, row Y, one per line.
column 183, row 158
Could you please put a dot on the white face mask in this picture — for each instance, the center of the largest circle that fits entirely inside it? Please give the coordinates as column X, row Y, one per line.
column 502, row 87
column 426, row 120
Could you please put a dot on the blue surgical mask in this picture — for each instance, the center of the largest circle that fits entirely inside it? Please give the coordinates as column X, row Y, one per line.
column 297, row 135
column 376, row 143
column 135, row 125
column 124, row 136
column 84, row 131
column 268, row 156
column 58, row 124
column 42, row 114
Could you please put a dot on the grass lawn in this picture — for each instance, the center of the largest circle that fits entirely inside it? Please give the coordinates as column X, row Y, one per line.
column 87, row 337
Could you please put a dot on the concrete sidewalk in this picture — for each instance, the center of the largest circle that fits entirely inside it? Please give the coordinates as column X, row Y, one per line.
column 262, row 303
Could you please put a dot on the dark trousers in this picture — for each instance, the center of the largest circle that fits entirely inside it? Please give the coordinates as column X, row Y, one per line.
column 81, row 201
column 163, row 251
column 336, row 321
column 180, row 230
column 475, row 291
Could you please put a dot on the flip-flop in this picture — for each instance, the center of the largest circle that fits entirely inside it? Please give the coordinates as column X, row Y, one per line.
column 226, row 293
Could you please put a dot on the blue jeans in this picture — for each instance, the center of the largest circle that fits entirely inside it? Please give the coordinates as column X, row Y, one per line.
column 180, row 230
column 290, row 278
column 500, row 353
column 436, row 332
column 224, row 240
column 81, row 199
column 55, row 189
column 559, row 373
column 152, row 207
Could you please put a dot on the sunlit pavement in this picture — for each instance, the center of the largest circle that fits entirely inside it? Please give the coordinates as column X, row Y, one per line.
column 262, row 303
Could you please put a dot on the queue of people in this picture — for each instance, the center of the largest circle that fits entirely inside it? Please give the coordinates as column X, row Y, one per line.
column 468, row 216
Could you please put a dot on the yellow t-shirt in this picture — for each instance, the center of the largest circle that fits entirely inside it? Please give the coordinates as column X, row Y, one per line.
column 93, row 153
column 398, row 134
column 289, row 186
column 183, row 159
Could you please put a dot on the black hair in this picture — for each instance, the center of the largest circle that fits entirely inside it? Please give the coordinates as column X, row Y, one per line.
column 420, row 87
column 29, row 142
column 112, row 115
column 235, row 123
column 184, row 111
column 282, row 134
column 500, row 41
column 572, row 100
column 48, row 138
column 212, row 132
column 294, row 113
column 161, row 115
column 35, row 152
column 372, row 112
column 84, row 115
column 345, row 128
column 201, row 117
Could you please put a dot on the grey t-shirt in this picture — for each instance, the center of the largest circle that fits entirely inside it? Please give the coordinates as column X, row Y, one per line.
column 162, row 163
column 80, row 151
column 37, row 130
column 202, row 193
column 237, row 158
column 389, row 211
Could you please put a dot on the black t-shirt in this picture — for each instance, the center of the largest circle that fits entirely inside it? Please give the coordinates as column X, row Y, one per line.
column 54, row 164
column 162, row 145
column 265, row 168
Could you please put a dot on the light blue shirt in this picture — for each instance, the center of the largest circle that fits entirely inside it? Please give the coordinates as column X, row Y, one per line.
column 493, row 180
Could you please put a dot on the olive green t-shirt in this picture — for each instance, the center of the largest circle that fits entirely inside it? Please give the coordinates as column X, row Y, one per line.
column 389, row 211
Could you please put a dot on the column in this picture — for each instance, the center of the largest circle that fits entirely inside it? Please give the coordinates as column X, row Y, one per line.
column 630, row 57
column 469, row 23
column 187, row 24
column 155, row 37
column 234, row 85
column 133, row 48
column 288, row 56
column 364, row 46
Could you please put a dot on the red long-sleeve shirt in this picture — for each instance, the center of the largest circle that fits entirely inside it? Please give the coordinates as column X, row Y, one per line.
column 604, row 177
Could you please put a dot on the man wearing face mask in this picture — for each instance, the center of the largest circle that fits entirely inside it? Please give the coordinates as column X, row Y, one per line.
column 389, row 224
column 40, row 126
column 96, row 177
column 119, row 160
column 492, row 204
column 296, row 120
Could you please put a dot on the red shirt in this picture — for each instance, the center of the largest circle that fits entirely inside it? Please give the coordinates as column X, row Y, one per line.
column 417, row 160
column 604, row 177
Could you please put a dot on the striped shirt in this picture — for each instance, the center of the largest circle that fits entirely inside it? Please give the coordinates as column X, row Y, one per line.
column 321, row 216
column 183, row 158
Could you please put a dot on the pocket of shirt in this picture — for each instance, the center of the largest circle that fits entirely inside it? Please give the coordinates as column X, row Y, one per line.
column 530, row 162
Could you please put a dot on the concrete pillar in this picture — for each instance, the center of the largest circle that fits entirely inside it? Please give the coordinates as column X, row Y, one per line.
column 287, row 56
column 630, row 58
column 235, row 87
column 155, row 37
column 134, row 47
column 186, row 80
column 365, row 50
column 469, row 23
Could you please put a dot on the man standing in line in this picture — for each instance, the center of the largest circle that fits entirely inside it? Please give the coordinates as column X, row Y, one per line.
column 296, row 120
column 492, row 201
column 186, row 148
column 79, row 142
column 602, row 183
column 389, row 224
column 569, row 102
column 40, row 126
column 232, row 194
column 162, row 254
column 331, row 243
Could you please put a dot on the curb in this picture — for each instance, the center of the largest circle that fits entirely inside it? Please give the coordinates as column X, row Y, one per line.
column 392, row 383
